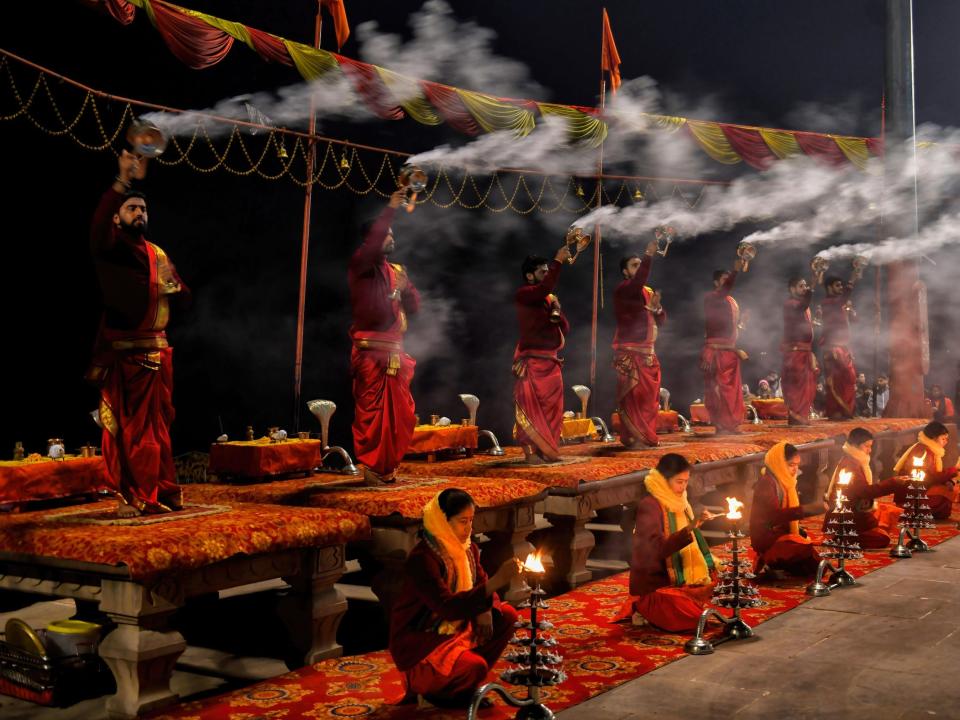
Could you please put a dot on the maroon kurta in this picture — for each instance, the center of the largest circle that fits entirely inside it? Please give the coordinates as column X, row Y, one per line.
column 634, row 359
column 770, row 530
column 538, row 388
column 939, row 483
column 381, row 296
column 799, row 377
column 425, row 600
column 722, row 393
column 839, row 372
column 133, row 363
column 861, row 495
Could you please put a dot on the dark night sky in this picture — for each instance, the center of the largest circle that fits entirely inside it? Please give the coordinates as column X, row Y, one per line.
column 815, row 65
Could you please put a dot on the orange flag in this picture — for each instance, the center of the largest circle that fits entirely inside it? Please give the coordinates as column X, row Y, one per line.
column 340, row 25
column 610, row 58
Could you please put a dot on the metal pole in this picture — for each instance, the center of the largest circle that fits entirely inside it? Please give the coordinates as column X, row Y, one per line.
column 596, row 234
column 305, row 244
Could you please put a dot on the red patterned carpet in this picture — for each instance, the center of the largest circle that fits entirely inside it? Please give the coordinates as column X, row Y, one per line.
column 598, row 656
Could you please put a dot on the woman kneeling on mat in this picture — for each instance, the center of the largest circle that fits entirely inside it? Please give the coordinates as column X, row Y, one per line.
column 671, row 570
column 447, row 626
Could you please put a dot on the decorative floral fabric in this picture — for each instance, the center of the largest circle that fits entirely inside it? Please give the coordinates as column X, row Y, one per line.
column 260, row 458
column 577, row 428
column 149, row 550
column 431, row 438
column 44, row 479
column 598, row 656
column 770, row 409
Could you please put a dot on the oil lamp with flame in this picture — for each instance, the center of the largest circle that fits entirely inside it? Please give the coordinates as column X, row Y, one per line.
column 577, row 241
column 146, row 139
column 732, row 591
column 664, row 235
column 746, row 252
column 916, row 514
column 533, row 664
column 839, row 543
column 415, row 181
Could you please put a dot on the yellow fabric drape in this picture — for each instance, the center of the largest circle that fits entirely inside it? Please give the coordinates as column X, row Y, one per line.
column 695, row 571
column 435, row 522
column 855, row 150
column 929, row 444
column 310, row 62
column 714, row 142
column 776, row 461
column 407, row 94
column 669, row 123
column 782, row 144
column 582, row 126
column 492, row 114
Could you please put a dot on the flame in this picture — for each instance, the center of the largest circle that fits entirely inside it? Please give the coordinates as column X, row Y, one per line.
column 733, row 509
column 844, row 477
column 841, row 498
column 533, row 563
column 918, row 461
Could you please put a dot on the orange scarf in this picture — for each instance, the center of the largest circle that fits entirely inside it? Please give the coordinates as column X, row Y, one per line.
column 455, row 554
column 928, row 443
column 776, row 462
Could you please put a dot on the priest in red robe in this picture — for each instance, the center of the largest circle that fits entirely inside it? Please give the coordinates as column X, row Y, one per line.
column 800, row 371
column 861, row 491
column 840, row 375
column 940, row 481
column 538, row 386
column 639, row 317
column 775, row 533
column 720, row 359
column 382, row 296
column 133, row 363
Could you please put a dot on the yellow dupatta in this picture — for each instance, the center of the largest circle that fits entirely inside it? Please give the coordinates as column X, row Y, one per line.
column 930, row 444
column 776, row 462
column 459, row 571
column 862, row 459
column 692, row 564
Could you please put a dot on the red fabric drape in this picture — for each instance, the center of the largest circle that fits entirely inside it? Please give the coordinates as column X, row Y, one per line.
column 875, row 146
column 338, row 12
column 368, row 85
column 269, row 47
column 610, row 58
column 446, row 102
column 191, row 40
column 749, row 145
column 821, row 147
column 121, row 11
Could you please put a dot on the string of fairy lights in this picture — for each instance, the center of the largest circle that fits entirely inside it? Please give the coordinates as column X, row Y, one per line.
column 96, row 121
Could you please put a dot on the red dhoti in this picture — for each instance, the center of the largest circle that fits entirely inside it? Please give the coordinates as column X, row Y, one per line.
column 941, row 501
column 538, row 403
column 136, row 410
column 674, row 609
column 455, row 669
column 840, row 381
column 791, row 553
column 638, row 394
column 384, row 409
column 722, row 393
column 799, row 380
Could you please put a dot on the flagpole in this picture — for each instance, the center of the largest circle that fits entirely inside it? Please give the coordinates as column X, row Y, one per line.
column 596, row 229
column 305, row 239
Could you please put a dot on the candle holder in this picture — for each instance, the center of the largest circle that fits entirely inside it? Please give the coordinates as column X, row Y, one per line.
column 916, row 516
column 732, row 591
column 534, row 666
column 840, row 544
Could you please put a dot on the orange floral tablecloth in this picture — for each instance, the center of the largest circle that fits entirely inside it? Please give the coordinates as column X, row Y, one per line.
column 771, row 409
column 173, row 545
column 577, row 428
column 431, row 438
column 408, row 497
column 666, row 421
column 44, row 479
column 259, row 458
column 699, row 414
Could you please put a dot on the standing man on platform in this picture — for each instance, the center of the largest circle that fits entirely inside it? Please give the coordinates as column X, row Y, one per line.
column 538, row 387
column 840, row 376
column 381, row 296
column 133, row 363
column 639, row 317
column 800, row 369
column 720, row 359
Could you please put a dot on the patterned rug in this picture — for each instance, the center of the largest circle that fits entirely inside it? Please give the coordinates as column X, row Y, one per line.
column 521, row 463
column 598, row 656
column 108, row 515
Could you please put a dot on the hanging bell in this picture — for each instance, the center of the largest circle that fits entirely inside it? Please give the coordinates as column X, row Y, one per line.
column 637, row 195
column 344, row 163
column 580, row 192
column 282, row 150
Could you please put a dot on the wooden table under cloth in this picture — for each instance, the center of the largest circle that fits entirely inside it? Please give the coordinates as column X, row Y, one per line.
column 263, row 458
column 505, row 514
column 42, row 478
column 432, row 439
column 140, row 570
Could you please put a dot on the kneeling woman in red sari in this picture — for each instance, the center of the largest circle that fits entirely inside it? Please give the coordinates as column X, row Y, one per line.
column 775, row 516
column 940, row 481
column 448, row 627
column 671, row 570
